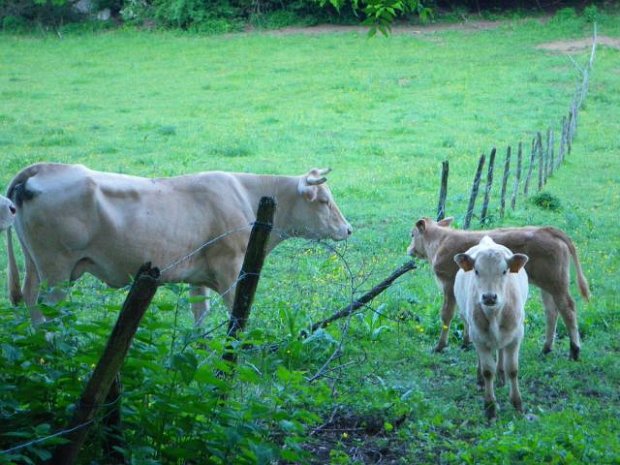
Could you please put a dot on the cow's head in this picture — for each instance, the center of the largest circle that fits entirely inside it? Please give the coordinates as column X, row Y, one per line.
column 315, row 214
column 491, row 264
column 420, row 233
column 7, row 213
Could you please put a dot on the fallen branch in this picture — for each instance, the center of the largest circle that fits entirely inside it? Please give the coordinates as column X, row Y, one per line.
column 363, row 300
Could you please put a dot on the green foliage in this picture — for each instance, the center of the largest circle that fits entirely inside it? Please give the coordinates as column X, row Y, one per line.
column 547, row 201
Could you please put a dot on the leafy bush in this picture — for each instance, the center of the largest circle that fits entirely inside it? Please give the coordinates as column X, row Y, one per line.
column 547, row 201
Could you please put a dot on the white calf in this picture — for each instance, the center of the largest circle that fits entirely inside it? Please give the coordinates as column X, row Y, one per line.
column 491, row 301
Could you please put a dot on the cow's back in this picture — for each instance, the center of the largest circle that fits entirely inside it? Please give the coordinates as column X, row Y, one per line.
column 543, row 248
column 109, row 224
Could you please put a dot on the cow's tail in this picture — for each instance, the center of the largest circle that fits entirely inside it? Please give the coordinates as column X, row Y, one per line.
column 584, row 289
column 15, row 292
column 18, row 193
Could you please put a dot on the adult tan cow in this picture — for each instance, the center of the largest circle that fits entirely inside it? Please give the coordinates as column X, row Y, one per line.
column 7, row 213
column 72, row 220
column 549, row 250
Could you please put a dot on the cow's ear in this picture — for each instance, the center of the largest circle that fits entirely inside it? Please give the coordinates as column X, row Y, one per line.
column 446, row 221
column 464, row 261
column 516, row 262
column 421, row 224
column 309, row 192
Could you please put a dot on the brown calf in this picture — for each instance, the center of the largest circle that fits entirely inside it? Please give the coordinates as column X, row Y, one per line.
column 548, row 268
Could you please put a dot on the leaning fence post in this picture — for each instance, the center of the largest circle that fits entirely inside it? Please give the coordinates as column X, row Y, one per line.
column 98, row 387
column 250, row 271
column 487, row 188
column 502, row 204
column 474, row 193
column 526, row 187
column 515, row 191
column 443, row 191
column 114, row 441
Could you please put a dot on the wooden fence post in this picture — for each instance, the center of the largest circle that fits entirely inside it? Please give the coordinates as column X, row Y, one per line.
column 502, row 205
column 114, row 439
column 443, row 191
column 515, row 190
column 98, row 387
column 363, row 300
column 487, row 188
column 541, row 161
column 562, row 143
column 551, row 154
column 569, row 137
column 474, row 193
column 526, row 187
column 250, row 271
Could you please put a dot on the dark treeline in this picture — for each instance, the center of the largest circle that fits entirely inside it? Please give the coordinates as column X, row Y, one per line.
column 217, row 16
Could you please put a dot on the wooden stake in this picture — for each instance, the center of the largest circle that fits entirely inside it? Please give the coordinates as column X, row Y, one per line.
column 489, row 185
column 474, row 193
column 98, row 387
column 515, row 190
column 502, row 200
column 443, row 191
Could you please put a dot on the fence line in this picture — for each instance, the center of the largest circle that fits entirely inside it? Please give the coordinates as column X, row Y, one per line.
column 542, row 156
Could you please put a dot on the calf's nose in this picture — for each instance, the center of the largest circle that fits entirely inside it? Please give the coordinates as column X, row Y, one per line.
column 489, row 299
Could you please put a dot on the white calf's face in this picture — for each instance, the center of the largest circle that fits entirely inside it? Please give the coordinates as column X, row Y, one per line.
column 7, row 213
column 316, row 215
column 491, row 269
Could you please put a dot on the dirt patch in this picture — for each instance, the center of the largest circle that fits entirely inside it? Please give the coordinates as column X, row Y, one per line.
column 566, row 46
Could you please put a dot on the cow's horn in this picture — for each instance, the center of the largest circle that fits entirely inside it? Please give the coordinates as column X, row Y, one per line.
column 312, row 181
column 324, row 171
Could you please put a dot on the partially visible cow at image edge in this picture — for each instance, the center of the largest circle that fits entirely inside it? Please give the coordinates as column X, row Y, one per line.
column 7, row 213
column 73, row 220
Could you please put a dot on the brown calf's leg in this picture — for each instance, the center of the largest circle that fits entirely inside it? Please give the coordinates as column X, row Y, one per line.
column 447, row 313
column 566, row 306
column 551, row 312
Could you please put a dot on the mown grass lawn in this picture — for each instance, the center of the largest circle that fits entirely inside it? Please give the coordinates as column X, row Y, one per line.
column 383, row 113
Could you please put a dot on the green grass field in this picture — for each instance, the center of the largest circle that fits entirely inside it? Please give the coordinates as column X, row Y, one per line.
column 383, row 113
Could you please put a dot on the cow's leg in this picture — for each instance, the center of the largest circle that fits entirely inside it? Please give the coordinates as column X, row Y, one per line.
column 447, row 313
column 199, row 304
column 488, row 366
column 551, row 312
column 30, row 290
column 511, row 367
column 57, row 275
column 227, row 276
column 501, row 373
column 566, row 306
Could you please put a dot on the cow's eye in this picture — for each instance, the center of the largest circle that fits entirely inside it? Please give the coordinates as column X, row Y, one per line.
column 324, row 201
column 476, row 271
column 504, row 272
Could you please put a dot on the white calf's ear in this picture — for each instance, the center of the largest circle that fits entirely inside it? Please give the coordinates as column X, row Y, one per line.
column 464, row 261
column 516, row 262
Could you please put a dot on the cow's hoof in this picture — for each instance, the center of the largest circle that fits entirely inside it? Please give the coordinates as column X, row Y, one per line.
column 546, row 350
column 574, row 352
column 490, row 411
column 439, row 348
